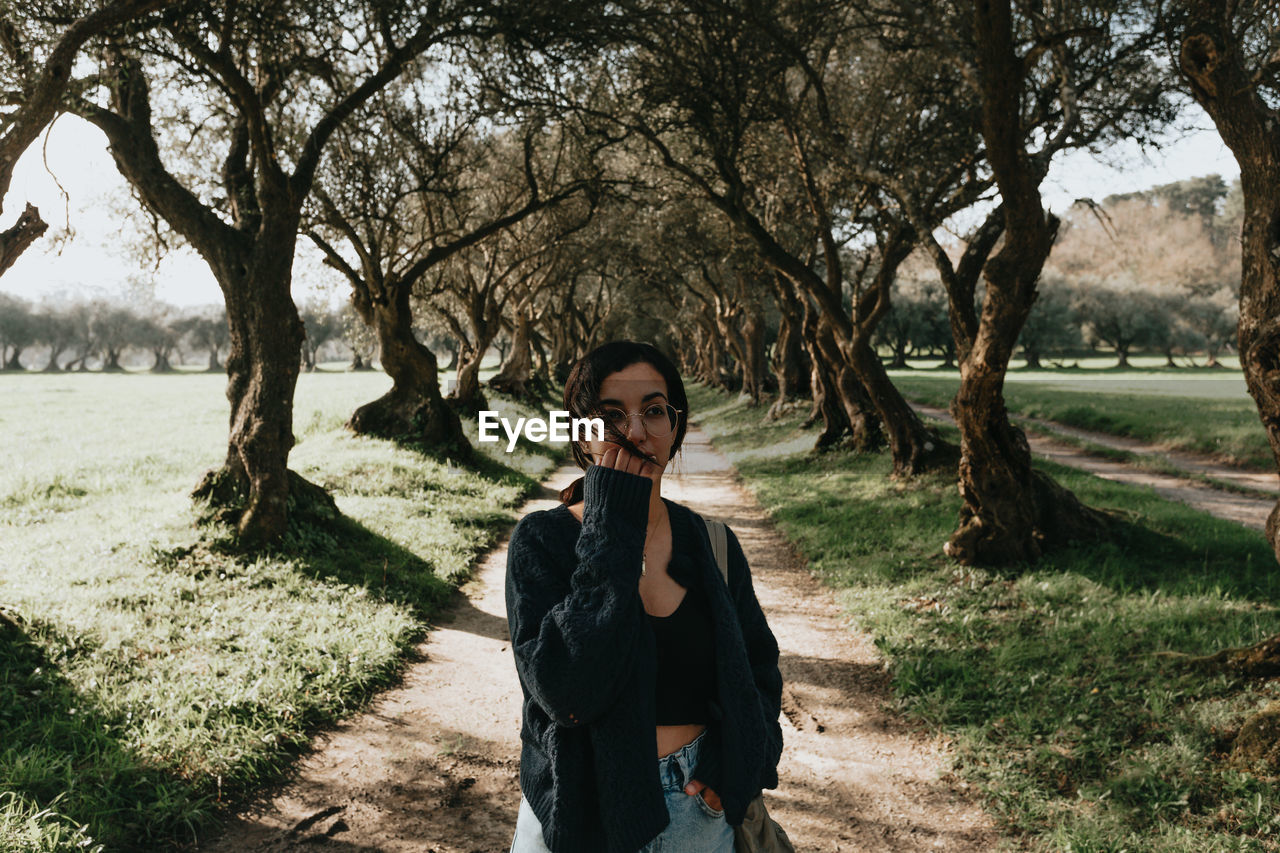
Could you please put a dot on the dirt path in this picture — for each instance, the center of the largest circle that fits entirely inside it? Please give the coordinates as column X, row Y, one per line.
column 432, row 766
column 1243, row 509
column 1193, row 463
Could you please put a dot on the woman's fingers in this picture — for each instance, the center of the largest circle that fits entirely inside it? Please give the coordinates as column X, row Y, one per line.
column 609, row 458
column 614, row 456
column 711, row 797
column 635, row 464
column 607, row 454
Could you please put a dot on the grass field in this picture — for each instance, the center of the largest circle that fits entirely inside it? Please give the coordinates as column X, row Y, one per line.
column 1046, row 679
column 1204, row 410
column 152, row 678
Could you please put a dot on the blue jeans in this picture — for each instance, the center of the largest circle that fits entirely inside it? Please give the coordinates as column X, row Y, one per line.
column 695, row 827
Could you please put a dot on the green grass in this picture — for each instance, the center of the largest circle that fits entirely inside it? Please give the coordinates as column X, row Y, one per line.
column 1076, row 735
column 151, row 678
column 1211, row 414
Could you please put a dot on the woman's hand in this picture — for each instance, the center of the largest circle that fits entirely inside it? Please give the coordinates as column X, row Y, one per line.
column 709, row 796
column 614, row 456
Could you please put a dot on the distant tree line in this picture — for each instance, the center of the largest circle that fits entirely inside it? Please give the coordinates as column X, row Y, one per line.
column 1152, row 271
column 106, row 335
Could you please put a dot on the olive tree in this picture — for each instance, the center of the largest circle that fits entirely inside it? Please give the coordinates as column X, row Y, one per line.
column 1044, row 79
column 1228, row 56
column 219, row 119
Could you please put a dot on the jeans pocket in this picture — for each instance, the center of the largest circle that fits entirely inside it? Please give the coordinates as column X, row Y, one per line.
column 705, row 807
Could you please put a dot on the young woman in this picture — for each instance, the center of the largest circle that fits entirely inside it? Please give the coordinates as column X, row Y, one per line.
column 651, row 687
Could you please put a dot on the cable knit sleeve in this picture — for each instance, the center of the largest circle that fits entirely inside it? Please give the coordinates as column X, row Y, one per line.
column 762, row 655
column 575, row 628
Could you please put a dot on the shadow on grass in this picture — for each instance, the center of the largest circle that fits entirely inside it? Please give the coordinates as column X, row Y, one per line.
column 61, row 754
column 338, row 548
column 1158, row 545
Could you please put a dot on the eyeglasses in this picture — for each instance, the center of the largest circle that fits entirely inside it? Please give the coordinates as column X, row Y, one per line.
column 659, row 419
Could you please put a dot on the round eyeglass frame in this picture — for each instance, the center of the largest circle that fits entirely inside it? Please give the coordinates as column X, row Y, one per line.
column 673, row 418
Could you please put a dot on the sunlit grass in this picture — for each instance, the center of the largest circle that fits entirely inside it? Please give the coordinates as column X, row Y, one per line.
column 152, row 678
column 1046, row 678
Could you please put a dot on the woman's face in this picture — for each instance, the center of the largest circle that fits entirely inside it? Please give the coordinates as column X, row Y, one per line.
column 636, row 388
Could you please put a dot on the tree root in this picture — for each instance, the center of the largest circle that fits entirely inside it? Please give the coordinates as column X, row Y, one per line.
column 1259, row 737
column 426, row 426
column 223, row 499
column 933, row 455
column 1261, row 660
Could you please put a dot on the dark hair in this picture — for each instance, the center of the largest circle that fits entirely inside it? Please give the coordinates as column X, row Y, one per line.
column 582, row 394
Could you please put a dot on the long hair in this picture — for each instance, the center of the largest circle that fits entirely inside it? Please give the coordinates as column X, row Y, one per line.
column 582, row 396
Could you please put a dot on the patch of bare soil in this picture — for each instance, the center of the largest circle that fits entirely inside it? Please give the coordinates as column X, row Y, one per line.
column 432, row 766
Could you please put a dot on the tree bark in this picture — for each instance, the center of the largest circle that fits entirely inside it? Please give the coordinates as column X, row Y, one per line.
column 414, row 408
column 708, row 353
column 752, row 363
column 254, row 488
column 843, row 395
column 1011, row 513
column 467, row 396
column 18, row 238
column 517, row 368
column 788, row 350
column 914, row 447
column 826, row 404
column 1213, row 63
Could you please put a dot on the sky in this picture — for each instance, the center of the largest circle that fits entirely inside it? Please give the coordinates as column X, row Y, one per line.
column 95, row 259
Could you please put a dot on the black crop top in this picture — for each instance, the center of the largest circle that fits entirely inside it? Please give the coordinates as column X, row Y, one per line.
column 686, row 661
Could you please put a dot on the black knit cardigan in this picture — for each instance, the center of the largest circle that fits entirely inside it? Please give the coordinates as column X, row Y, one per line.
column 584, row 652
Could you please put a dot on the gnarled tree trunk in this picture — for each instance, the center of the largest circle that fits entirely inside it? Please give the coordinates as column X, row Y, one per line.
column 414, row 408
column 751, row 362
column 1213, row 63
column 1010, row 512
column 517, row 369
column 254, row 488
column 18, row 238
column 914, row 447
column 111, row 360
column 788, row 350
column 841, row 400
column 467, row 396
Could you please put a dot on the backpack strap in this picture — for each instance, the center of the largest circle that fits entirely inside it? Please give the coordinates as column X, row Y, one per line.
column 719, row 545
